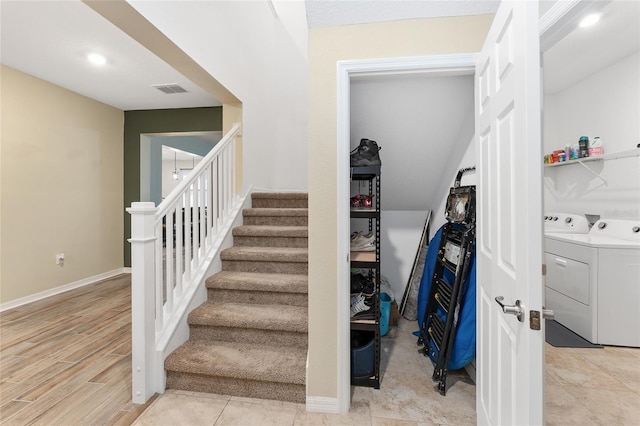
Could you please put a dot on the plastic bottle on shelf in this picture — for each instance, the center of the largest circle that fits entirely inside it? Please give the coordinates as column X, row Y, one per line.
column 575, row 152
column 584, row 146
column 595, row 147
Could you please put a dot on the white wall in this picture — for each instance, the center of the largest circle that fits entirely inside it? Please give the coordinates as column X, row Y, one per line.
column 468, row 159
column 607, row 104
column 250, row 51
column 401, row 232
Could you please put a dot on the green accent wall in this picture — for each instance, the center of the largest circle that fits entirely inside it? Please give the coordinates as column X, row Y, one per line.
column 156, row 121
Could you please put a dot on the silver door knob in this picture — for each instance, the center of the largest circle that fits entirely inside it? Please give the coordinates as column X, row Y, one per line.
column 516, row 309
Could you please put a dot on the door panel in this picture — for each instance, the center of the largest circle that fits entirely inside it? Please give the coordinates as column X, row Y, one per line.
column 510, row 354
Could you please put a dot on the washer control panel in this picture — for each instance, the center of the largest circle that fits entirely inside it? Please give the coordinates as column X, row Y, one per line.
column 565, row 223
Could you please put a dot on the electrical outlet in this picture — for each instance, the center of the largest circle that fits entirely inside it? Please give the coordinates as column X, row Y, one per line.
column 60, row 259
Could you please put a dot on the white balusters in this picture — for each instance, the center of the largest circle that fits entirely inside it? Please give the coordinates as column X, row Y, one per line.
column 171, row 248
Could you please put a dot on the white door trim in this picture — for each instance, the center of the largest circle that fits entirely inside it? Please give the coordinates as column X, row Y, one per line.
column 562, row 18
column 435, row 65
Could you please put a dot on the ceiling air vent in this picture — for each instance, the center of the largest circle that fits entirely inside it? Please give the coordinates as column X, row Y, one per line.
column 170, row 88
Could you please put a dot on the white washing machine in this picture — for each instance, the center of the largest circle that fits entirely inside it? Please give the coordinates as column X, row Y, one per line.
column 593, row 281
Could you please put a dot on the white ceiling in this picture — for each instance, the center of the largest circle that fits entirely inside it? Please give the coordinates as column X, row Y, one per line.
column 326, row 13
column 50, row 40
column 174, row 154
column 586, row 51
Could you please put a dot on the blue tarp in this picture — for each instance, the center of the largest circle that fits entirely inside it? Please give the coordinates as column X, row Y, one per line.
column 464, row 344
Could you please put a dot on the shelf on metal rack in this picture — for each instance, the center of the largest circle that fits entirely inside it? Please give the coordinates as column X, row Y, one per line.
column 365, row 213
column 364, row 173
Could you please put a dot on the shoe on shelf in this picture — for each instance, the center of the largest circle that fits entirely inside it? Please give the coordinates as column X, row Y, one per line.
column 364, row 244
column 366, row 154
column 356, row 235
column 359, row 239
column 356, row 201
column 360, row 201
column 358, row 304
column 361, row 283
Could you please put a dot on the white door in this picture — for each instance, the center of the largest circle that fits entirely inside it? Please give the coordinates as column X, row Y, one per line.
column 510, row 355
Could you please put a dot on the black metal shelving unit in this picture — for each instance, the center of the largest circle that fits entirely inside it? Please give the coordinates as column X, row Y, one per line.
column 457, row 243
column 370, row 176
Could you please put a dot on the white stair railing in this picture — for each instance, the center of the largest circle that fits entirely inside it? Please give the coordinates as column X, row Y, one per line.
column 172, row 246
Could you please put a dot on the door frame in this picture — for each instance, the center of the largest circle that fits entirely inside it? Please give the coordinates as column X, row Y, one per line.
column 433, row 65
column 556, row 23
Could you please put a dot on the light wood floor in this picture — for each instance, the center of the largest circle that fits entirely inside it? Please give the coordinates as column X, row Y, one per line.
column 66, row 360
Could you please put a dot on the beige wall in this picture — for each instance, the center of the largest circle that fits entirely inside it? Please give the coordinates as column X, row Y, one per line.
column 417, row 37
column 61, row 186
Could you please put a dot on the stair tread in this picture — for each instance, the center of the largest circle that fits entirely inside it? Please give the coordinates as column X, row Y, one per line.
column 240, row 361
column 271, row 230
column 254, row 316
column 272, row 211
column 265, row 254
column 256, row 281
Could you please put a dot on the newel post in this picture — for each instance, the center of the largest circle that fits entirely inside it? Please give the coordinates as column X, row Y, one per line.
column 143, row 357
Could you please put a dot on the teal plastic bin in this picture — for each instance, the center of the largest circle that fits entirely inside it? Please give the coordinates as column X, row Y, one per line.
column 385, row 310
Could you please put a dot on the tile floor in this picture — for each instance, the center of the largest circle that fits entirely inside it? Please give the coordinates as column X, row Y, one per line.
column 583, row 386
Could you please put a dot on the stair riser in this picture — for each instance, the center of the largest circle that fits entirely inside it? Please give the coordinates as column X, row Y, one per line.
column 265, row 267
column 294, row 242
column 257, row 297
column 276, row 220
column 258, row 337
column 236, row 387
column 278, row 203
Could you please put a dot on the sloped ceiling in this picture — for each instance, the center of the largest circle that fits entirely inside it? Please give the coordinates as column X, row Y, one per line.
column 585, row 51
column 421, row 123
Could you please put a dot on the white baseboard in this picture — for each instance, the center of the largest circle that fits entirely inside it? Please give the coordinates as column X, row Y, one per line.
column 322, row 404
column 57, row 290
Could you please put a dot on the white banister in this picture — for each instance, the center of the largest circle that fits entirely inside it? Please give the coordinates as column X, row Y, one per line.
column 172, row 247
column 143, row 327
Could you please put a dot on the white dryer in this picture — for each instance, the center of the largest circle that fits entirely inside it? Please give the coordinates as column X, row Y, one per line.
column 565, row 223
column 593, row 281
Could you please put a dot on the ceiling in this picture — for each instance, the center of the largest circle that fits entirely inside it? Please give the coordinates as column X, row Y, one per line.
column 169, row 153
column 327, row 13
column 50, row 39
column 585, row 51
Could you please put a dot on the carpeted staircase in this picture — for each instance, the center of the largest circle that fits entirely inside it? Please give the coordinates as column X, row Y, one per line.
column 250, row 337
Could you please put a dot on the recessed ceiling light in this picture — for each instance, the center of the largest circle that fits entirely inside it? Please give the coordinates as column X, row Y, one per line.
column 589, row 20
column 96, row 59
